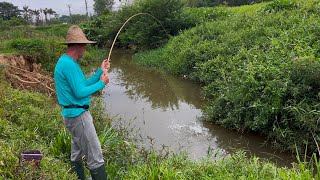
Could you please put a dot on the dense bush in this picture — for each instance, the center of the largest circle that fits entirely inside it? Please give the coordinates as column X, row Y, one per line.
column 103, row 29
column 142, row 30
column 260, row 72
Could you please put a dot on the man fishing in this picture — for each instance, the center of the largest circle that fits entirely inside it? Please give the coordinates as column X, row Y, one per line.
column 73, row 93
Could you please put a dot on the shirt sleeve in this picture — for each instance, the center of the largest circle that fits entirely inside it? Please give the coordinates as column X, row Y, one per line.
column 94, row 78
column 78, row 84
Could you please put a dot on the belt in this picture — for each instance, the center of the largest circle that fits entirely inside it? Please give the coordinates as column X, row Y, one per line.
column 86, row 107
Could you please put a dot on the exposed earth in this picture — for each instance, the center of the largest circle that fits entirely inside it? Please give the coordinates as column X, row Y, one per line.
column 24, row 73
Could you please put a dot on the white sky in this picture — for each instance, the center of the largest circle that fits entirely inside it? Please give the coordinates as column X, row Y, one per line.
column 60, row 6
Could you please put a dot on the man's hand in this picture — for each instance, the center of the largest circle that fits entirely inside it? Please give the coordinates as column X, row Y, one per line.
column 105, row 65
column 105, row 77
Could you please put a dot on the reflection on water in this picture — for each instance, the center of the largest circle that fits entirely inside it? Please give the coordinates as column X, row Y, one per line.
column 167, row 109
column 160, row 90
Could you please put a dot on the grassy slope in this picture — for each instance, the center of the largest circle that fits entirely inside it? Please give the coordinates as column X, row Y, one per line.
column 249, row 10
column 252, row 64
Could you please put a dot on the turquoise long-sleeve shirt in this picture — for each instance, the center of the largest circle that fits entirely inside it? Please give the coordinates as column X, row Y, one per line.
column 72, row 87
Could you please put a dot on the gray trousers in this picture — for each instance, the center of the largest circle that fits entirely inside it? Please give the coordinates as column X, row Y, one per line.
column 84, row 141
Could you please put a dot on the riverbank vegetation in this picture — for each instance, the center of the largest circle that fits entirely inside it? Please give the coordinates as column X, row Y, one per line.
column 33, row 121
column 260, row 71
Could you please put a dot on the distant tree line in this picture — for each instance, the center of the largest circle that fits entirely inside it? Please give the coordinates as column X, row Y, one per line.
column 43, row 16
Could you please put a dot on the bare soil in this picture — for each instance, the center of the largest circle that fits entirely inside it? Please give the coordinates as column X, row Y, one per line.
column 24, row 73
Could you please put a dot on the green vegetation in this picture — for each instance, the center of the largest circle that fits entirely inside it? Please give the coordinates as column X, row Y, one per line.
column 31, row 42
column 43, row 43
column 260, row 72
column 148, row 33
column 33, row 121
column 258, row 64
column 143, row 31
column 28, row 121
column 205, row 3
column 249, row 10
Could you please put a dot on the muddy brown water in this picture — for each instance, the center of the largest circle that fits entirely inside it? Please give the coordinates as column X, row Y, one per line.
column 165, row 111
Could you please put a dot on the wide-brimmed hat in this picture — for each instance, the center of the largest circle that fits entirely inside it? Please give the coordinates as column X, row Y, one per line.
column 76, row 36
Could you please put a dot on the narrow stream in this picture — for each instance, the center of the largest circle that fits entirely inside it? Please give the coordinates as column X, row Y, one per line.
column 166, row 111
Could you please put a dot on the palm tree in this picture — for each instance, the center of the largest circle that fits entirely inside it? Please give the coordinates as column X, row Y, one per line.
column 40, row 15
column 51, row 12
column 86, row 7
column 45, row 12
column 69, row 6
column 26, row 12
column 56, row 16
column 36, row 12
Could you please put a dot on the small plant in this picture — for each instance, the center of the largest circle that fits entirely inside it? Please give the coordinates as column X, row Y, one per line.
column 61, row 145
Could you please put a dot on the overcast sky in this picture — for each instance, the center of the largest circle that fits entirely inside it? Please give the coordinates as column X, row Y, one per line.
column 60, row 6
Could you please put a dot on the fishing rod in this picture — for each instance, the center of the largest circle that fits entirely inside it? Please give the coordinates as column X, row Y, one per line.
column 138, row 14
column 123, row 25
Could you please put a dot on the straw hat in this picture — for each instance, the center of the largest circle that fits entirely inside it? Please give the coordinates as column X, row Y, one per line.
column 76, row 36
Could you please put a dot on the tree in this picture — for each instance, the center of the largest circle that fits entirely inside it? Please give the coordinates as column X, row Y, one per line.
column 45, row 12
column 102, row 6
column 40, row 15
column 8, row 11
column 51, row 12
column 86, row 7
column 36, row 13
column 69, row 7
column 26, row 12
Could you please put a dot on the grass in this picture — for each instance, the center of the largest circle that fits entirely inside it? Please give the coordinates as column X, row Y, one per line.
column 28, row 121
column 249, row 10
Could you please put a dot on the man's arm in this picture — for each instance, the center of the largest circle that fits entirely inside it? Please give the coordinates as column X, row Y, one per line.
column 105, row 65
column 78, row 86
column 94, row 78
